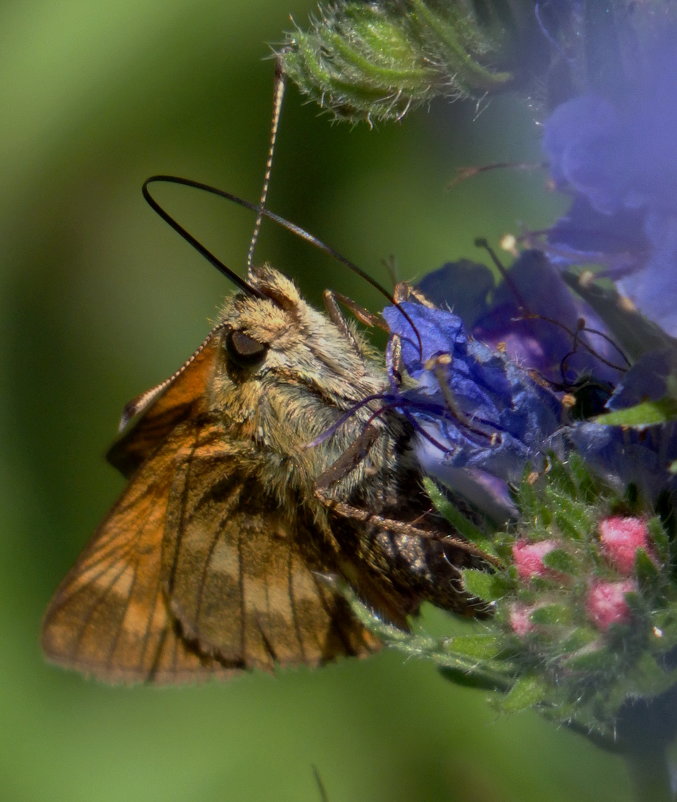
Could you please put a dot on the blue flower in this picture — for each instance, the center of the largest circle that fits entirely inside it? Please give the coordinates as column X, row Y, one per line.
column 481, row 418
column 624, row 457
column 637, row 456
column 647, row 380
column 617, row 157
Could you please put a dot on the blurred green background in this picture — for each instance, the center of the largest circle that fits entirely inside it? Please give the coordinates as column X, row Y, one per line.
column 101, row 299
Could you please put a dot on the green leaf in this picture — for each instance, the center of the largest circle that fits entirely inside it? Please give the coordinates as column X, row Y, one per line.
column 648, row 413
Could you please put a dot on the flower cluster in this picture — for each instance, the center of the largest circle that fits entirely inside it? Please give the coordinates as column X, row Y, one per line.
column 547, row 399
column 553, row 409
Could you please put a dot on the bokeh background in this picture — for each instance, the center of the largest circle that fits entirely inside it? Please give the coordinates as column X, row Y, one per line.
column 100, row 300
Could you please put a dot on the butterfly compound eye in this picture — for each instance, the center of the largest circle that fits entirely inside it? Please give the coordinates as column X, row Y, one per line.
column 244, row 350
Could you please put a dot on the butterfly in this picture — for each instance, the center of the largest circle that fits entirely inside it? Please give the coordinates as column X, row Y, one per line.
column 240, row 510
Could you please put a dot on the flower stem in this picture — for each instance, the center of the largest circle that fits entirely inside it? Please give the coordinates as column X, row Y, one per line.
column 650, row 774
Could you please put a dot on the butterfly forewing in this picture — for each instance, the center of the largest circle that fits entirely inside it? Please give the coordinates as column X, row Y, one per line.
column 109, row 618
column 217, row 555
column 162, row 408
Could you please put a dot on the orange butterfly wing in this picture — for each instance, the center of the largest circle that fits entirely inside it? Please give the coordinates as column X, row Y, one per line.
column 109, row 617
column 133, row 607
column 163, row 407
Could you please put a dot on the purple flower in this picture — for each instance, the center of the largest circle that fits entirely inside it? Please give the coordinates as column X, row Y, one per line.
column 532, row 315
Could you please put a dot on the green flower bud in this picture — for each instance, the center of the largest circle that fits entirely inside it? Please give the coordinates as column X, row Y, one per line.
column 376, row 61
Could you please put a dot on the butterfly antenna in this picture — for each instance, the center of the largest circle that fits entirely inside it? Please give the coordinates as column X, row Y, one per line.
column 190, row 239
column 278, row 96
column 250, row 288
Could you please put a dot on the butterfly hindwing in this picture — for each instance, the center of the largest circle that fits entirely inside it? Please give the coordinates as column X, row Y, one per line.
column 244, row 574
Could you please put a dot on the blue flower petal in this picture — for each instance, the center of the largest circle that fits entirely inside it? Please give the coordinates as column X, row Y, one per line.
column 646, row 380
column 628, row 456
column 473, row 406
column 533, row 316
column 463, row 287
column 617, row 156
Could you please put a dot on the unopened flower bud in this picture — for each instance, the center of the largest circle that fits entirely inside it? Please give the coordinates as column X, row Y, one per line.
column 621, row 537
column 528, row 557
column 606, row 603
column 520, row 619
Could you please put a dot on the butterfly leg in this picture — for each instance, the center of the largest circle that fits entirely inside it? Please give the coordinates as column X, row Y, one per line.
column 332, row 302
column 392, row 525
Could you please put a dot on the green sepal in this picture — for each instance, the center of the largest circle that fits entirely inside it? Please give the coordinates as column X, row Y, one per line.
column 486, row 586
column 526, row 692
column 376, row 61
column 579, row 638
column 648, row 678
column 649, row 577
column 590, row 662
column 561, row 562
column 552, row 615
column 659, row 538
column 587, row 489
column 482, row 646
column 463, row 525
column 570, row 516
column 467, row 679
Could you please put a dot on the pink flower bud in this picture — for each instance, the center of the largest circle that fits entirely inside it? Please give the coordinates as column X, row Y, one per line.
column 606, row 605
column 528, row 557
column 620, row 538
column 520, row 618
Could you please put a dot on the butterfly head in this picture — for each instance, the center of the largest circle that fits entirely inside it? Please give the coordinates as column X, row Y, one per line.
column 275, row 335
